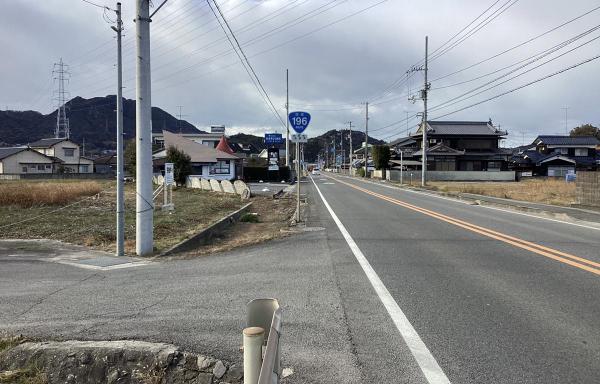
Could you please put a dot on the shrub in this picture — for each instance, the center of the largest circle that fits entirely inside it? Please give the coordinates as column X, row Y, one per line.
column 249, row 218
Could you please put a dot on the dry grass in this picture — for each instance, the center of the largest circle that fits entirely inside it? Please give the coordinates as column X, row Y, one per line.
column 92, row 222
column 548, row 191
column 35, row 194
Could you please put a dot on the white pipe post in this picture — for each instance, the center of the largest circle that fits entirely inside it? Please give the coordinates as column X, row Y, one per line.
column 287, row 119
column 120, row 251
column 143, row 131
column 253, row 343
column 298, row 181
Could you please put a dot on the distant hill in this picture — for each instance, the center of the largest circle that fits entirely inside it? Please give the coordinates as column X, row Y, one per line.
column 90, row 119
column 315, row 145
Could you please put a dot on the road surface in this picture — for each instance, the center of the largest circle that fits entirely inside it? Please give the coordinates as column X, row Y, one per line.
column 385, row 286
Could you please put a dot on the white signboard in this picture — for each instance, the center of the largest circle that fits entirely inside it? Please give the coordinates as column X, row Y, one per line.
column 169, row 174
column 299, row 138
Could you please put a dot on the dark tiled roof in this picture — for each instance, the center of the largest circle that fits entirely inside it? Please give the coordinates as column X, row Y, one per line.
column 45, row 143
column 8, row 151
column 402, row 141
column 568, row 140
column 475, row 128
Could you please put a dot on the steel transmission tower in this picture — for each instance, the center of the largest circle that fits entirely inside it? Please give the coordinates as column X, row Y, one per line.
column 61, row 74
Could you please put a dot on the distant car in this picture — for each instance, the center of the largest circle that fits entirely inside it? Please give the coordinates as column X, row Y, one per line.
column 316, row 172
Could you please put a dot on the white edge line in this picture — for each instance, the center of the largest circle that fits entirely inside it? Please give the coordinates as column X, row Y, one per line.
column 481, row 206
column 100, row 268
column 429, row 366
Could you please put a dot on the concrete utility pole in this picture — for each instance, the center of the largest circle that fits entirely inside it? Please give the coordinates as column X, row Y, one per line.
column 287, row 120
column 366, row 139
column 342, row 150
column 566, row 120
column 424, row 126
column 120, row 251
column 350, row 142
column 143, row 130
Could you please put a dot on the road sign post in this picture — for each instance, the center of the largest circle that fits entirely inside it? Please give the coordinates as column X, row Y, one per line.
column 299, row 121
column 168, row 187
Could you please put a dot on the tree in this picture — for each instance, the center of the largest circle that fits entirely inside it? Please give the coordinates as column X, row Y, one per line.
column 585, row 130
column 381, row 156
column 182, row 164
column 129, row 157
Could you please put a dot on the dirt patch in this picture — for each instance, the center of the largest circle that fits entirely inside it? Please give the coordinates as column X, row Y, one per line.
column 267, row 219
column 547, row 191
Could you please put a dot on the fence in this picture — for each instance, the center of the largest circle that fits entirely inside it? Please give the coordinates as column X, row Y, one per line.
column 587, row 187
column 394, row 175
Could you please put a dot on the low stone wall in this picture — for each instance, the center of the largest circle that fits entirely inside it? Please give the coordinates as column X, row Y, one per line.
column 394, row 175
column 132, row 362
column 588, row 188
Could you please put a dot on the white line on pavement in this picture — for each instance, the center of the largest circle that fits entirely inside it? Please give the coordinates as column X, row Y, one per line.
column 429, row 366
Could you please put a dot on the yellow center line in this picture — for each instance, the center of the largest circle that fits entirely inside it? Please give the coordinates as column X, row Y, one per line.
column 563, row 257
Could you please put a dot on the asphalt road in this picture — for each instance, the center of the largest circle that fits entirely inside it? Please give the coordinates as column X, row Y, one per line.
column 483, row 307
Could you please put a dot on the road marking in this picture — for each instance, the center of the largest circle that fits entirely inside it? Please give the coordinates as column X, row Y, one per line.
column 563, row 257
column 455, row 200
column 429, row 366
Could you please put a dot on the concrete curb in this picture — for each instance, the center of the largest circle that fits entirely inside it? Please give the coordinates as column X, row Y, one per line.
column 204, row 236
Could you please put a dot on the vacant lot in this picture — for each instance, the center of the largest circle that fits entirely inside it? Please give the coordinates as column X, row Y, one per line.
column 550, row 191
column 87, row 216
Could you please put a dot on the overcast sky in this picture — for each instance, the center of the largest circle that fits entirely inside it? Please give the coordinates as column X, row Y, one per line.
column 339, row 54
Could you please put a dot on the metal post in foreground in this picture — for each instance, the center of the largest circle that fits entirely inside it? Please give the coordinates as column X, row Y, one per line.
column 253, row 343
column 287, row 121
column 143, row 131
column 120, row 251
column 298, row 177
column 424, row 128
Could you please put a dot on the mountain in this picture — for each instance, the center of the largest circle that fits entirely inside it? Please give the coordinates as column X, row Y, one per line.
column 92, row 120
column 315, row 145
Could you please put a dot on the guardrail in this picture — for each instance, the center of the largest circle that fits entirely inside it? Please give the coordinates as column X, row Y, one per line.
column 263, row 331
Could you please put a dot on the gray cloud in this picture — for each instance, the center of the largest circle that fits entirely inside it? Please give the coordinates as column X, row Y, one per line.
column 333, row 69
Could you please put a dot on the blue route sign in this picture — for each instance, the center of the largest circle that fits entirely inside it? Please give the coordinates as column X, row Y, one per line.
column 273, row 138
column 299, row 120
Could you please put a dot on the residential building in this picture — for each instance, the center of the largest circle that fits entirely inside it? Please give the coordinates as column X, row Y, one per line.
column 66, row 154
column 462, row 146
column 209, row 139
column 208, row 162
column 556, row 156
column 106, row 164
column 24, row 160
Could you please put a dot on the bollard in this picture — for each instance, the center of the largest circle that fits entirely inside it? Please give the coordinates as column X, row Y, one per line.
column 253, row 344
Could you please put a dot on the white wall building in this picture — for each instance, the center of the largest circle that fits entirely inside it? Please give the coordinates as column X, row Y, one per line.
column 24, row 160
column 67, row 154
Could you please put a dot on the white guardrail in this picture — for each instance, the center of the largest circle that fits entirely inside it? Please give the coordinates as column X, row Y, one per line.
column 262, row 333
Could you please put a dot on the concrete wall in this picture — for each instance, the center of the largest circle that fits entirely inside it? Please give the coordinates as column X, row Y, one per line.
column 588, row 188
column 394, row 175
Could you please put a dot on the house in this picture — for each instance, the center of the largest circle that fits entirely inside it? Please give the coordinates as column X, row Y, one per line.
column 66, row 154
column 462, row 146
column 208, row 162
column 24, row 160
column 209, row 139
column 106, row 164
column 553, row 155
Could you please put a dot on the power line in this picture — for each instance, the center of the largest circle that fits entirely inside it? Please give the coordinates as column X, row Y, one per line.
column 518, row 45
column 255, row 79
column 520, row 87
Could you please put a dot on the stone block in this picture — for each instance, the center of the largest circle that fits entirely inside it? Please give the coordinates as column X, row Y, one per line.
column 215, row 185
column 227, row 186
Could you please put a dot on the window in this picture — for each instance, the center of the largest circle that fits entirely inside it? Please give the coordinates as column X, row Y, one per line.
column 32, row 166
column 581, row 152
column 494, row 165
column 562, row 151
column 48, row 166
column 84, row 168
column 24, row 169
column 220, row 168
column 69, row 152
column 41, row 167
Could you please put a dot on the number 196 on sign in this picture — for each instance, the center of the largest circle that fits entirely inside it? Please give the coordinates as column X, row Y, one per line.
column 299, row 120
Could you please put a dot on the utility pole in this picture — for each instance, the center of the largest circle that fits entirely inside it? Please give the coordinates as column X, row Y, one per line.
column 120, row 251
column 287, row 120
column 566, row 119
column 143, row 130
column 366, row 139
column 424, row 93
column 180, row 107
column 350, row 154
column 342, row 150
column 424, row 96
